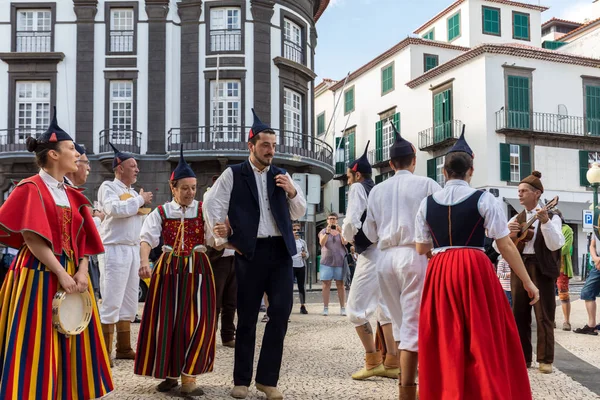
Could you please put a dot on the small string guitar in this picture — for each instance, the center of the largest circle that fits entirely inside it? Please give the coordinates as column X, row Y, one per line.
column 526, row 233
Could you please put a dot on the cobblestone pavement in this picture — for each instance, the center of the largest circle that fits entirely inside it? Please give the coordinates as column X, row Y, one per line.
column 320, row 355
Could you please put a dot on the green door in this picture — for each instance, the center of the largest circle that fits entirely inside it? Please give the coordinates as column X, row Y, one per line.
column 519, row 114
column 442, row 116
column 592, row 109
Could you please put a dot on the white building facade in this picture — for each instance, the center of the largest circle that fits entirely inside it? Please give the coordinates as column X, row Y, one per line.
column 525, row 107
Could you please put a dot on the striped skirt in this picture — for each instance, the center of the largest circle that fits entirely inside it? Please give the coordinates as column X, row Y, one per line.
column 36, row 361
column 178, row 329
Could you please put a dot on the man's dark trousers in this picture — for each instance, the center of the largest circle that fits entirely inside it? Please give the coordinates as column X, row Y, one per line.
column 226, row 288
column 544, row 309
column 270, row 272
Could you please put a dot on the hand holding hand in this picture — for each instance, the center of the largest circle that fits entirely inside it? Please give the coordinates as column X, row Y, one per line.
column 145, row 272
column 285, row 182
column 221, row 230
column 147, row 196
column 81, row 281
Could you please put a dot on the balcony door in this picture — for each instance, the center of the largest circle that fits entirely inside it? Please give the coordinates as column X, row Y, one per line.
column 121, row 112
column 292, row 118
column 442, row 116
column 519, row 112
column 225, row 109
column 32, row 109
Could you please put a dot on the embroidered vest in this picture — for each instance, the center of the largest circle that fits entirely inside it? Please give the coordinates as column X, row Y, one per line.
column 192, row 229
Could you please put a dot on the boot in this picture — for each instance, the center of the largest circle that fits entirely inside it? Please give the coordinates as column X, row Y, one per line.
column 124, row 350
column 373, row 366
column 408, row 392
column 392, row 366
column 189, row 388
column 108, row 331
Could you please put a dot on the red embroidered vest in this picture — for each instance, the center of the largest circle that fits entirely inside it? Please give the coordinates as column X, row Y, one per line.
column 193, row 232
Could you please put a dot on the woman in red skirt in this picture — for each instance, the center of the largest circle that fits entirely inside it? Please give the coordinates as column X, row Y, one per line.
column 468, row 341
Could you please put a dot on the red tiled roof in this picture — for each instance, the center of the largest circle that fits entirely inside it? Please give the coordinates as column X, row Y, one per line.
column 390, row 52
column 459, row 2
column 322, row 6
column 582, row 28
column 517, row 50
column 324, row 82
column 552, row 21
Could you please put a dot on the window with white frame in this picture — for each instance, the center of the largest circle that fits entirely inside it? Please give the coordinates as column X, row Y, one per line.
column 292, row 118
column 388, row 136
column 225, row 109
column 34, row 31
column 439, row 170
column 121, row 109
column 515, row 172
column 121, row 30
column 32, row 109
column 225, row 29
column 292, row 42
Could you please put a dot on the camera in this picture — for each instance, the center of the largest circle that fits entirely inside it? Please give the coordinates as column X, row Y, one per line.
column 333, row 227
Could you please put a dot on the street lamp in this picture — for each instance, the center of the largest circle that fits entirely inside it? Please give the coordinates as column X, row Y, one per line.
column 593, row 177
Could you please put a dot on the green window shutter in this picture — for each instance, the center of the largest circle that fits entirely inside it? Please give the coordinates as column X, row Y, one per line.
column 431, row 61
column 431, row 172
column 552, row 44
column 396, row 120
column 387, row 79
column 525, row 161
column 340, row 165
column 518, row 102
column 453, row 27
column 520, row 26
column 442, row 116
column 351, row 147
column 430, row 35
column 378, row 141
column 342, row 200
column 505, row 162
column 592, row 110
column 491, row 21
column 584, row 165
column 321, row 124
column 349, row 101
column 378, row 179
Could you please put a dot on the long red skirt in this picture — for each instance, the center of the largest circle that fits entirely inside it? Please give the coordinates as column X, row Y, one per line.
column 468, row 341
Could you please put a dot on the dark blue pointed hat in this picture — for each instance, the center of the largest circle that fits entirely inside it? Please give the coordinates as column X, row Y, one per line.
column 54, row 133
column 257, row 126
column 183, row 169
column 461, row 145
column 80, row 149
column 362, row 164
column 401, row 147
column 119, row 156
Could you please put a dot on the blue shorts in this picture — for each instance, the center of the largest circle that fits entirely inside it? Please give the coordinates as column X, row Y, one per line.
column 328, row 273
column 591, row 289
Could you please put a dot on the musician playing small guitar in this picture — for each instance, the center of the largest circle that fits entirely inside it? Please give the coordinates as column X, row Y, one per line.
column 523, row 232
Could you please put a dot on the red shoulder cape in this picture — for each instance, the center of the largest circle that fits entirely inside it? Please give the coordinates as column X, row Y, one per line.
column 30, row 207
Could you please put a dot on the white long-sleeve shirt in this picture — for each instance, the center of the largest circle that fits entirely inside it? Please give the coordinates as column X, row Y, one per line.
column 357, row 204
column 455, row 191
column 217, row 201
column 392, row 207
column 552, row 232
column 121, row 225
column 297, row 260
column 57, row 189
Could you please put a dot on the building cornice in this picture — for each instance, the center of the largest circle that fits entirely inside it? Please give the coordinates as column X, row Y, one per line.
column 508, row 50
column 322, row 6
column 295, row 67
column 22, row 58
column 579, row 30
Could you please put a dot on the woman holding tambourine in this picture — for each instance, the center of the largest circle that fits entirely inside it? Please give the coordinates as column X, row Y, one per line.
column 45, row 352
column 178, row 328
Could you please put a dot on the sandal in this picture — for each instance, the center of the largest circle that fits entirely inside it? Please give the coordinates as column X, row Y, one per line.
column 586, row 330
column 167, row 385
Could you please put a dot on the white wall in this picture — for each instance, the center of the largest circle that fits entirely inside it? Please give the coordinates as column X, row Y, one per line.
column 441, row 26
column 417, row 52
column 5, row 32
column 586, row 46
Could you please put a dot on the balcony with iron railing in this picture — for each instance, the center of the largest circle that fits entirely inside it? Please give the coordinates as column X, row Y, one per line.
column 125, row 140
column 223, row 40
column 439, row 136
column 13, row 140
column 545, row 124
column 229, row 141
column 121, row 41
column 34, row 41
column 293, row 51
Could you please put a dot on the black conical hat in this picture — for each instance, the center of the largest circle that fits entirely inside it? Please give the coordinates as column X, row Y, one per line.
column 183, row 169
column 119, row 156
column 461, row 145
column 54, row 133
column 401, row 147
column 362, row 164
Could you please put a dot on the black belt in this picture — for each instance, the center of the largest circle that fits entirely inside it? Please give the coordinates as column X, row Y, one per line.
column 529, row 258
column 269, row 240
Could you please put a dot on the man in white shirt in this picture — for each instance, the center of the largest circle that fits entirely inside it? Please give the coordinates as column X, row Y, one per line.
column 260, row 200
column 541, row 257
column 393, row 206
column 364, row 299
column 120, row 233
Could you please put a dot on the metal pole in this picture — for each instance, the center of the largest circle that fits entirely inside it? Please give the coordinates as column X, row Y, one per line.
column 332, row 119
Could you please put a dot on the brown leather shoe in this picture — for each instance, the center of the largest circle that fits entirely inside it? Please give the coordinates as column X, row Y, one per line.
column 167, row 385
column 239, row 392
column 124, row 350
column 271, row 392
column 230, row 343
column 408, row 393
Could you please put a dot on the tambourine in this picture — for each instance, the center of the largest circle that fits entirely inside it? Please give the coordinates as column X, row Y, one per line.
column 71, row 312
column 141, row 210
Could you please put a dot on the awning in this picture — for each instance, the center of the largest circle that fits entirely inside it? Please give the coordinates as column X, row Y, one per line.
column 571, row 211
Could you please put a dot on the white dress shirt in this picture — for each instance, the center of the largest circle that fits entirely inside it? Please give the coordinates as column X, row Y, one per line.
column 455, row 191
column 393, row 205
column 297, row 260
column 357, row 205
column 152, row 228
column 551, row 230
column 57, row 189
column 217, row 201
column 121, row 224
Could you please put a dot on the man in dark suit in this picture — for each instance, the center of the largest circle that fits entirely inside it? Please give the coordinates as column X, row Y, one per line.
column 260, row 201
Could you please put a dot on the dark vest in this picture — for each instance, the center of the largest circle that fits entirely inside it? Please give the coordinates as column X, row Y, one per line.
column 361, row 242
column 548, row 260
column 460, row 224
column 244, row 209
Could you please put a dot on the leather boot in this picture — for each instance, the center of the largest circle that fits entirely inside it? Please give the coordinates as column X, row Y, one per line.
column 373, row 367
column 392, row 365
column 108, row 331
column 124, row 350
column 408, row 392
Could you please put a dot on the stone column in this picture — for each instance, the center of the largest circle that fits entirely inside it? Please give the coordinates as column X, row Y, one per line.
column 189, row 13
column 262, row 12
column 157, row 11
column 85, row 10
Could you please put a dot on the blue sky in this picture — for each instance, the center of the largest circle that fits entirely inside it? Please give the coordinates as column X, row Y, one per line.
column 352, row 32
